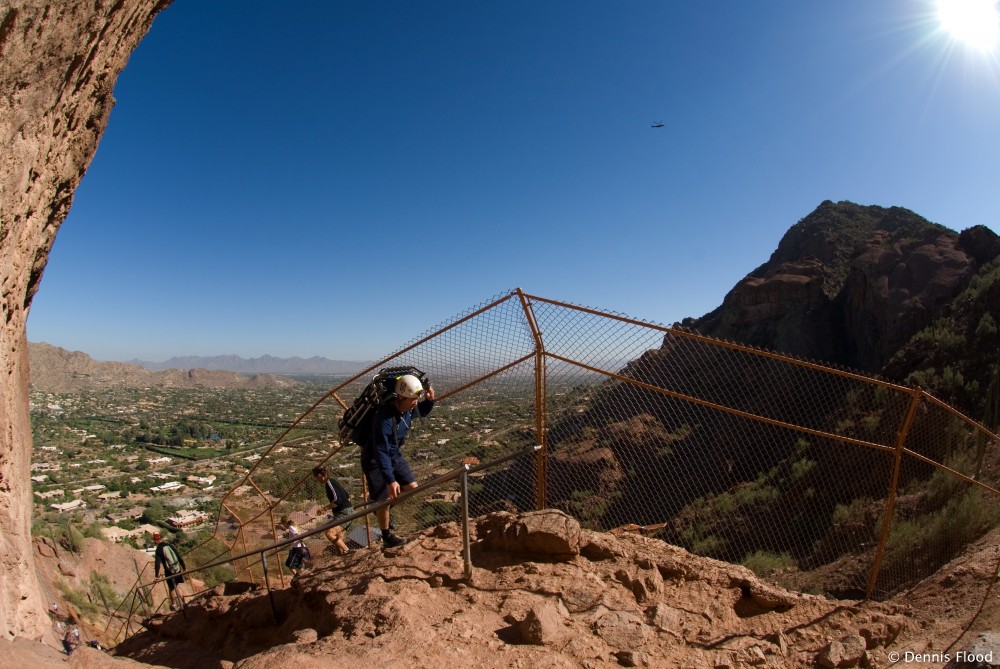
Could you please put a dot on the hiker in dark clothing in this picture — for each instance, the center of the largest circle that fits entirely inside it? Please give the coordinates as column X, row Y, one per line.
column 386, row 469
column 172, row 562
column 340, row 506
column 71, row 640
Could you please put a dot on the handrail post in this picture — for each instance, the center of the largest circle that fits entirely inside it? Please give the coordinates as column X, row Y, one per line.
column 466, row 544
column 267, row 584
column 890, row 502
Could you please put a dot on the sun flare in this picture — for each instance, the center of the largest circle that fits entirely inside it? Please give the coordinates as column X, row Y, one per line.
column 975, row 23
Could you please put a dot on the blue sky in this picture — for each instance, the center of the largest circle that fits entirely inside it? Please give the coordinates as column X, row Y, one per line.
column 338, row 178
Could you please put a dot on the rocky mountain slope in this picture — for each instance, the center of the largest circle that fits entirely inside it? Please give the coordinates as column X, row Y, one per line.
column 870, row 288
column 880, row 290
column 544, row 592
column 55, row 369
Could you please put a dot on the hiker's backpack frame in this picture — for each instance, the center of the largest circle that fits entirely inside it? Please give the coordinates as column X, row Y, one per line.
column 355, row 425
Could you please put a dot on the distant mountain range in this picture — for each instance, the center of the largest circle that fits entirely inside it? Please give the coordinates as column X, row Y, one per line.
column 875, row 289
column 265, row 364
column 54, row 369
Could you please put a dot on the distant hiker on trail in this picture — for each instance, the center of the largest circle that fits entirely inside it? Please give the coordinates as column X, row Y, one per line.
column 71, row 641
column 172, row 562
column 340, row 506
column 386, row 469
column 298, row 553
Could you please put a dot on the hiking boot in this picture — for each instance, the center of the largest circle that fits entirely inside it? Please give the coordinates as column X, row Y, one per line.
column 390, row 540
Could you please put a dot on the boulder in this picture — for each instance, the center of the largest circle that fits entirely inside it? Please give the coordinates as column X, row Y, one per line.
column 548, row 533
column 845, row 652
column 543, row 626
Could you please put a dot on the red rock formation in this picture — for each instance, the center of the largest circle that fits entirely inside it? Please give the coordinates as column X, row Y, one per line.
column 59, row 61
column 850, row 284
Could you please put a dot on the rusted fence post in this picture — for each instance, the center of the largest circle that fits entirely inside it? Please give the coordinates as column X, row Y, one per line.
column 890, row 502
column 541, row 459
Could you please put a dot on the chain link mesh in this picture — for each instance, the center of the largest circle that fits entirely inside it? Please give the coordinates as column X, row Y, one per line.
column 789, row 467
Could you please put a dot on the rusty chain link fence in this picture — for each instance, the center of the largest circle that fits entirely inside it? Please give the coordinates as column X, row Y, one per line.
column 820, row 479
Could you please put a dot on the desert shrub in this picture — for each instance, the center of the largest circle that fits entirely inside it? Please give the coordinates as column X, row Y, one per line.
column 987, row 327
column 764, row 563
column 800, row 469
column 68, row 536
column 216, row 575
column 588, row 507
column 923, row 378
column 756, row 493
column 852, row 513
column 40, row 528
column 940, row 334
column 923, row 543
column 724, row 503
column 710, row 546
column 102, row 592
column 434, row 513
column 93, row 531
column 79, row 600
column 870, row 424
column 952, row 380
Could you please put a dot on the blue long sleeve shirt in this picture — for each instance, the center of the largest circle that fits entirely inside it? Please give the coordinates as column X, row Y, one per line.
column 389, row 430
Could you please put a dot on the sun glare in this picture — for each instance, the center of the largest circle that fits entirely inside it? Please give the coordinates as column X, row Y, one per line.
column 975, row 23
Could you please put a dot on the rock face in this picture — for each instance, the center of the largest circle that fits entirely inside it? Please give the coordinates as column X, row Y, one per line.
column 59, row 61
column 851, row 284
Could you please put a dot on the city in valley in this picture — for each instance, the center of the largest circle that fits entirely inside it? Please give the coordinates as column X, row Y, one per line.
column 118, row 464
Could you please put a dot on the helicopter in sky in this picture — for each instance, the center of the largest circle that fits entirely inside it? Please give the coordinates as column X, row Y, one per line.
column 658, row 124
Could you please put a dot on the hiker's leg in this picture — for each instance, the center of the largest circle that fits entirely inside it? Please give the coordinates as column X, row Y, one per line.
column 336, row 537
column 382, row 515
column 171, row 593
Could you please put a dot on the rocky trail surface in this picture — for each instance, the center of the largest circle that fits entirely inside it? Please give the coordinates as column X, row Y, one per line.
column 545, row 593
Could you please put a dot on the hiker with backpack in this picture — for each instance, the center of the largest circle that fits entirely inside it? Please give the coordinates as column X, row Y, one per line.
column 386, row 469
column 299, row 553
column 173, row 564
column 340, row 506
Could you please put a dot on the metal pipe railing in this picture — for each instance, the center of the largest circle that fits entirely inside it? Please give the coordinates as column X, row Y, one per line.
column 461, row 473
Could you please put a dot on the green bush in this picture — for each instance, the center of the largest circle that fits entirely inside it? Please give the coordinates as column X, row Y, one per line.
column 710, row 546
column 853, row 513
column 216, row 575
column 79, row 600
column 68, row 536
column 764, row 563
column 952, row 380
column 724, row 503
column 930, row 539
column 102, row 592
column 155, row 513
column 987, row 326
column 756, row 493
column 93, row 531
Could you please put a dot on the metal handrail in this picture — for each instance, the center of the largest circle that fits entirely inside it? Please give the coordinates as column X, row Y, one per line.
column 461, row 472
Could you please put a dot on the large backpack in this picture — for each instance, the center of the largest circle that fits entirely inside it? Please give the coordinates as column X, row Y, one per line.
column 171, row 560
column 356, row 423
